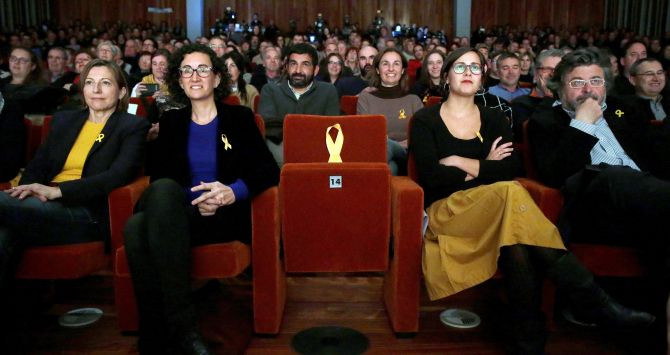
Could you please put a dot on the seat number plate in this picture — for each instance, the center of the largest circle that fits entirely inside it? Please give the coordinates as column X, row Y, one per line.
column 335, row 182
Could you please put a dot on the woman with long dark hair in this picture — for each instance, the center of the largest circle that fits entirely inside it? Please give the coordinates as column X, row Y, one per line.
column 479, row 219
column 235, row 65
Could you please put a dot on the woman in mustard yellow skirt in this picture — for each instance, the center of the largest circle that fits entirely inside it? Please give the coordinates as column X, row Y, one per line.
column 479, row 219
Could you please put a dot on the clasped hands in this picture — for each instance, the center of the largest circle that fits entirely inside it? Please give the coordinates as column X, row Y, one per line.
column 216, row 195
column 42, row 192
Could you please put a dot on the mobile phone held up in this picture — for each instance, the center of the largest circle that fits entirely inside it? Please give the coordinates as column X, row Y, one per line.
column 150, row 89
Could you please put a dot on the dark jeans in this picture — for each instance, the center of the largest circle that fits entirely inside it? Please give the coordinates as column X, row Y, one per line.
column 158, row 240
column 31, row 222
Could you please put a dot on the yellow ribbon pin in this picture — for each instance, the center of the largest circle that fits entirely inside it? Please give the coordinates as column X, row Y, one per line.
column 100, row 137
column 226, row 144
column 425, row 99
column 479, row 135
column 618, row 113
column 335, row 147
column 401, row 114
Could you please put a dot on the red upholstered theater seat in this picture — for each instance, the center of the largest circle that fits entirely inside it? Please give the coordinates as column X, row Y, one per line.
column 348, row 104
column 73, row 261
column 257, row 100
column 432, row 101
column 212, row 261
column 341, row 217
column 232, row 100
column 143, row 104
column 36, row 136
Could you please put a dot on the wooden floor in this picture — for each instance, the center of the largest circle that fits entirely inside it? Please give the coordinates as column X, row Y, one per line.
column 349, row 301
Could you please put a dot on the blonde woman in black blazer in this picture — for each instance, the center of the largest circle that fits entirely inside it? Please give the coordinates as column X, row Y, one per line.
column 62, row 196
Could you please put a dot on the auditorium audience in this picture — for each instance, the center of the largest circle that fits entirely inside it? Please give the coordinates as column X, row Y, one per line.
column 464, row 159
column 62, row 194
column 430, row 83
column 270, row 71
column 393, row 100
column 351, row 61
column 234, row 63
column 509, row 71
column 211, row 162
column 58, row 74
column 649, row 79
column 524, row 106
column 27, row 86
column 345, row 84
column 632, row 51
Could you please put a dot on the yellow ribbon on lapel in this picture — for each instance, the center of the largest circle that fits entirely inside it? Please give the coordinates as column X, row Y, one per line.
column 101, row 136
column 226, row 144
column 334, row 147
column 401, row 114
column 618, row 113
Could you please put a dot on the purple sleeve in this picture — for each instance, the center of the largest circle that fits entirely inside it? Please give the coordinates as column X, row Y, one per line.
column 240, row 190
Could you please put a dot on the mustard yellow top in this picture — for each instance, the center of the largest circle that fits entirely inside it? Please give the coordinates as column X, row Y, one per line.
column 149, row 79
column 74, row 164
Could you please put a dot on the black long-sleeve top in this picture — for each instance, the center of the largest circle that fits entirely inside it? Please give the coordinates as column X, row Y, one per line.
column 430, row 141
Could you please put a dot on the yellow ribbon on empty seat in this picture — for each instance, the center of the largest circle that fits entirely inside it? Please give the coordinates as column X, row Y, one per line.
column 334, row 147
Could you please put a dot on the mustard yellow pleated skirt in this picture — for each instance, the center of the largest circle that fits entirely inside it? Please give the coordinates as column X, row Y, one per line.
column 467, row 229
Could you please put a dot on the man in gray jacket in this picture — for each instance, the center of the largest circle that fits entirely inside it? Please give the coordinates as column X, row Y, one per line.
column 300, row 93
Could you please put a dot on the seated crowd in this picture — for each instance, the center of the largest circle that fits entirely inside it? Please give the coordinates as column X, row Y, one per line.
column 593, row 103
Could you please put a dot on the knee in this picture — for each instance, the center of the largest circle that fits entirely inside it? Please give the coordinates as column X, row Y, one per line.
column 165, row 191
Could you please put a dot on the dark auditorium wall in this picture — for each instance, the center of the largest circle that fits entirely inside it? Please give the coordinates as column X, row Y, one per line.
column 129, row 11
column 531, row 13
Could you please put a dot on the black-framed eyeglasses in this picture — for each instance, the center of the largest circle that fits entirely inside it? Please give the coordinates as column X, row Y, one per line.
column 187, row 71
column 475, row 68
column 650, row 74
column 580, row 83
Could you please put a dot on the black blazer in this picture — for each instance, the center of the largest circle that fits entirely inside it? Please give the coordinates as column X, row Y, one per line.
column 111, row 163
column 13, row 139
column 249, row 159
column 560, row 151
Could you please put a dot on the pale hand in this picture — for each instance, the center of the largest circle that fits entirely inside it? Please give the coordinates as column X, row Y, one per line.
column 42, row 192
column 153, row 131
column 589, row 111
column 500, row 152
column 217, row 195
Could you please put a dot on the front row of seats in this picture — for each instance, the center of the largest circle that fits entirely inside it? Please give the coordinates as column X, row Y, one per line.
column 335, row 209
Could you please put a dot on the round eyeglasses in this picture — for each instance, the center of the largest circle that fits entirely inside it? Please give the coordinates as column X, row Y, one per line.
column 580, row 83
column 187, row 71
column 475, row 68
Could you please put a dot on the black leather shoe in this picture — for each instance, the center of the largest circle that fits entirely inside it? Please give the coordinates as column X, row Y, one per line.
column 610, row 314
column 193, row 344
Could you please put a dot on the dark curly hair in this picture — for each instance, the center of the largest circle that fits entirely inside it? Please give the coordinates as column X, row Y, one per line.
column 218, row 67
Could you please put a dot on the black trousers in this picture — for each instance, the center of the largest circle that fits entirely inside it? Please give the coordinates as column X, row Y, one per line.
column 622, row 206
column 158, row 239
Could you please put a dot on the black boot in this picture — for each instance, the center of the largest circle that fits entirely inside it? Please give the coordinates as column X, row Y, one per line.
column 526, row 325
column 590, row 303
